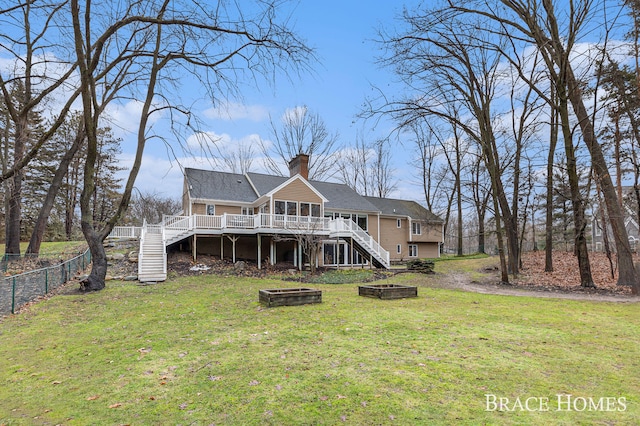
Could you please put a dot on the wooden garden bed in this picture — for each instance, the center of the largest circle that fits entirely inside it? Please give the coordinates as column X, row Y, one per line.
column 388, row 291
column 289, row 296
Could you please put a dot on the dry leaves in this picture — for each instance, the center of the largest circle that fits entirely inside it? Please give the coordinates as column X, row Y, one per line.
column 565, row 275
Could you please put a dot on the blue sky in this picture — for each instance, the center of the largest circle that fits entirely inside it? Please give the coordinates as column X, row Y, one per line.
column 341, row 32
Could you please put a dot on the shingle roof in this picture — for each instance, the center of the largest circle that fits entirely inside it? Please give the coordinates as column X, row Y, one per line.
column 211, row 185
column 395, row 207
column 342, row 197
column 266, row 183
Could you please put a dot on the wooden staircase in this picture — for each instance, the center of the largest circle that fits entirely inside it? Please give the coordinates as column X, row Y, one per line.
column 152, row 258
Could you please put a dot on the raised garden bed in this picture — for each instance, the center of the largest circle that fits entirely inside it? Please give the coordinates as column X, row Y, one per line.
column 289, row 296
column 388, row 291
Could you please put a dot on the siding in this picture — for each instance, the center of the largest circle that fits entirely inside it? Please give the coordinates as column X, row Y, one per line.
column 391, row 236
column 199, row 208
column 297, row 191
column 429, row 233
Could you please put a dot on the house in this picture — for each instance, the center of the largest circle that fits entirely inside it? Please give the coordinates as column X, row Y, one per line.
column 631, row 210
column 265, row 218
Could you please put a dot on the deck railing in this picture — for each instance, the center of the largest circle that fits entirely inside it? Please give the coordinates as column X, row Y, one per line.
column 239, row 221
column 342, row 224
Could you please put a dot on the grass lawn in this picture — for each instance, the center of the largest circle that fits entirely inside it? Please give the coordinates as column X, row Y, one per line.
column 201, row 350
column 55, row 249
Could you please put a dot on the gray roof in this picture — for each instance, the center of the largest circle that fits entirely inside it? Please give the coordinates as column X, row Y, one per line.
column 219, row 186
column 212, row 185
column 395, row 207
column 266, row 183
column 342, row 197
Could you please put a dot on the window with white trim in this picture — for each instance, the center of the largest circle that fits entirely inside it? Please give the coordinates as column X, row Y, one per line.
column 413, row 250
column 399, row 249
column 399, row 223
column 211, row 209
column 598, row 230
column 247, row 211
column 292, row 208
column 415, row 228
column 279, row 207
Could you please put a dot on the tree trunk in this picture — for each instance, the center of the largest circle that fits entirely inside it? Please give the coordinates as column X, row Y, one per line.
column 481, row 233
column 43, row 216
column 459, row 202
column 504, row 273
column 96, row 279
column 579, row 222
column 627, row 275
column 553, row 141
column 14, row 215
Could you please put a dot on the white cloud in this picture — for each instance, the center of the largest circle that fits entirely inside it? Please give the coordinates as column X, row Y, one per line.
column 230, row 111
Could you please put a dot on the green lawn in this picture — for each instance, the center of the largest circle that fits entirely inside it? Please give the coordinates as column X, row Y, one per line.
column 203, row 351
column 55, row 249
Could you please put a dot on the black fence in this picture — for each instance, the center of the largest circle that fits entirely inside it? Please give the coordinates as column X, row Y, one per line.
column 18, row 290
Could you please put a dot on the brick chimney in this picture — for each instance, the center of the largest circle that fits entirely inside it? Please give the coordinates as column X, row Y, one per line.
column 299, row 165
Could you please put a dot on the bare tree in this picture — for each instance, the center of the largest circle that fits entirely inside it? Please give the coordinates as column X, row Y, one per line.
column 366, row 168
column 447, row 66
column 354, row 166
column 537, row 22
column 141, row 48
column 150, row 206
column 42, row 68
column 301, row 131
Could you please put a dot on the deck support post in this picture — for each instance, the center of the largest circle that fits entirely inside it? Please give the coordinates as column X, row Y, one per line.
column 259, row 251
column 233, row 239
column 194, row 248
column 221, row 246
column 295, row 254
column 352, row 250
column 272, row 255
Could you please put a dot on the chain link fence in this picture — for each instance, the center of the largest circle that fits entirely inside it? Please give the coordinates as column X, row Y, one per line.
column 18, row 290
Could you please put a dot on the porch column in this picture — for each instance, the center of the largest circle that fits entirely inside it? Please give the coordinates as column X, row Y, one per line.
column 221, row 247
column 295, row 254
column 351, row 252
column 233, row 239
column 259, row 252
column 299, row 258
column 194, row 254
column 272, row 255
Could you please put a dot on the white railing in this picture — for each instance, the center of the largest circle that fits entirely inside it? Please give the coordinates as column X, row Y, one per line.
column 125, row 232
column 174, row 226
column 143, row 232
column 342, row 224
column 178, row 224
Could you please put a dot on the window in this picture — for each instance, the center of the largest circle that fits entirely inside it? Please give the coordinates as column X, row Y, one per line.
column 399, row 248
column 247, row 211
column 413, row 250
column 292, row 208
column 310, row 209
column 598, row 230
column 304, row 209
column 211, row 209
column 415, row 228
column 279, row 207
column 362, row 221
column 399, row 223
